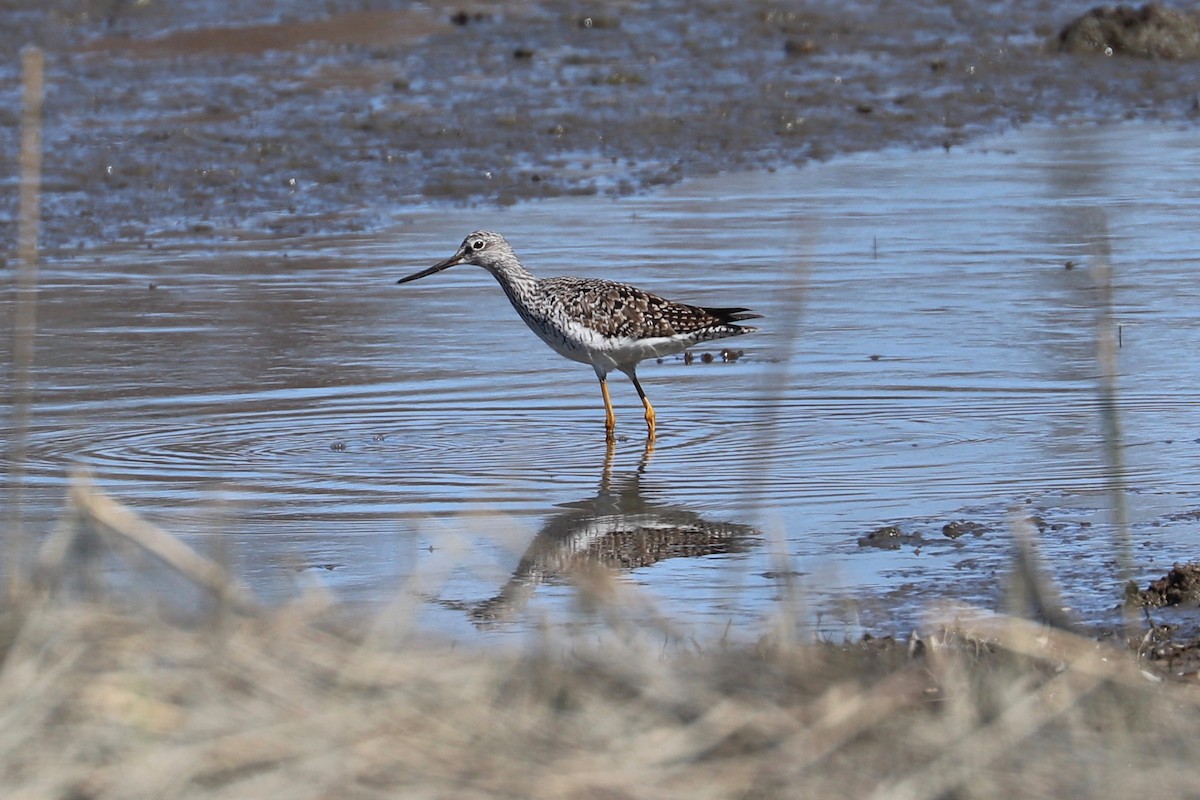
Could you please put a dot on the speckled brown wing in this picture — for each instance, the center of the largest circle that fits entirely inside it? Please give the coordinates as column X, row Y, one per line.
column 617, row 309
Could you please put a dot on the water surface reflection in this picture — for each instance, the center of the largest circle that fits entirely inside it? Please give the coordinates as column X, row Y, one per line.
column 619, row 528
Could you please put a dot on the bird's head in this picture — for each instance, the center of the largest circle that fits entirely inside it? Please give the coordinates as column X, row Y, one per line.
column 485, row 249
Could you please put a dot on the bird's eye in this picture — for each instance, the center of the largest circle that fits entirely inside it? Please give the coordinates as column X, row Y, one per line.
column 477, row 244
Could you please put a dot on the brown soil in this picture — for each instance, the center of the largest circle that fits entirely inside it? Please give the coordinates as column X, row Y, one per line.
column 1149, row 31
column 1179, row 586
column 203, row 119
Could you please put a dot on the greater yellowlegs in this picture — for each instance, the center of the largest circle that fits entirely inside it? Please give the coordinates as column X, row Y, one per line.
column 603, row 323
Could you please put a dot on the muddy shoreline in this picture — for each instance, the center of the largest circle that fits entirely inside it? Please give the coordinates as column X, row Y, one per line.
column 210, row 121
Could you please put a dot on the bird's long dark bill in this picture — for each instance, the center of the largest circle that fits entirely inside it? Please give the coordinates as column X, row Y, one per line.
column 438, row 267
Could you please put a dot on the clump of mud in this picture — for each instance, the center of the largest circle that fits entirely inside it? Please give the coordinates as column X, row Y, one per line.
column 1180, row 586
column 889, row 537
column 1151, row 31
column 961, row 527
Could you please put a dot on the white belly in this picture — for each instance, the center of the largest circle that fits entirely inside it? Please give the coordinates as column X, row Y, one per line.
column 584, row 345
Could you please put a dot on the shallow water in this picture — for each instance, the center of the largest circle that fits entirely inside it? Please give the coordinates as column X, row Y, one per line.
column 925, row 357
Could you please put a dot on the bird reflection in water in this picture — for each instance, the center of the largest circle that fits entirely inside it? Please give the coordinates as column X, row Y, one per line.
column 617, row 529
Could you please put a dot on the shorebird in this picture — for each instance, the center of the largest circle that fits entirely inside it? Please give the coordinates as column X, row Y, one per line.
column 605, row 324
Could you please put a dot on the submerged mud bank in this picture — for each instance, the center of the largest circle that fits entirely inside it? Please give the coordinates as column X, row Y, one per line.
column 207, row 119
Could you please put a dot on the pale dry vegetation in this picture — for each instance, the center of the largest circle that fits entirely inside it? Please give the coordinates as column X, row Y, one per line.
column 103, row 695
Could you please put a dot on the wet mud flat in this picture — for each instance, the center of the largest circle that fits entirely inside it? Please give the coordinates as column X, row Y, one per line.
column 204, row 119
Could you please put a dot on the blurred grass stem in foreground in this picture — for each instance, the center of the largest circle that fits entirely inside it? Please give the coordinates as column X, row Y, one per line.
column 25, row 314
column 1108, row 374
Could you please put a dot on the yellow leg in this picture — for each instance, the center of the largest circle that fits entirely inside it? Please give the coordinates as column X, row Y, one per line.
column 649, row 417
column 610, row 418
column 645, row 403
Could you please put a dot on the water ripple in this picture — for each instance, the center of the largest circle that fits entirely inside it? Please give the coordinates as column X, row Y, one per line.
column 922, row 355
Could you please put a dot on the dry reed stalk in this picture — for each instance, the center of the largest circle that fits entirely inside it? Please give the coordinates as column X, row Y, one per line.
column 1031, row 592
column 118, row 520
column 114, row 706
column 1082, row 666
column 1023, row 717
column 25, row 312
column 1108, row 375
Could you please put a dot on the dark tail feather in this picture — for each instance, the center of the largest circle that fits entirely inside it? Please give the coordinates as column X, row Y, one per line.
column 732, row 314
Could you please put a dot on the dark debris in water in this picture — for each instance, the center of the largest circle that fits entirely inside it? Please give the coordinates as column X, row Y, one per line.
column 779, row 575
column 464, row 18
column 726, row 355
column 953, row 530
column 889, row 537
